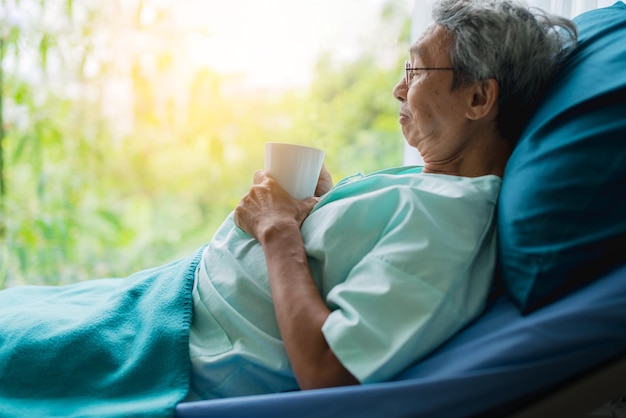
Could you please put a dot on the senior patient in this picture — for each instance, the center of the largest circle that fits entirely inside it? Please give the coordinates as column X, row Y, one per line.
column 349, row 287
column 384, row 267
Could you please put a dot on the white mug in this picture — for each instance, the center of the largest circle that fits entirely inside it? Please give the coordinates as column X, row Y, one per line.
column 295, row 167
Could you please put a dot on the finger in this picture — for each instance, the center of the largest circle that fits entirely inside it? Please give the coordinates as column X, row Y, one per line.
column 309, row 203
column 259, row 176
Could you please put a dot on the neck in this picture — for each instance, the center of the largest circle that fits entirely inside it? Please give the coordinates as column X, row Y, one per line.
column 485, row 156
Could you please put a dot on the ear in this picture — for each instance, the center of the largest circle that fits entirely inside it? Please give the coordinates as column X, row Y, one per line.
column 484, row 99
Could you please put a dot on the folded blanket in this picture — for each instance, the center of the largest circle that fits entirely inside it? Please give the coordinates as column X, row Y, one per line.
column 100, row 348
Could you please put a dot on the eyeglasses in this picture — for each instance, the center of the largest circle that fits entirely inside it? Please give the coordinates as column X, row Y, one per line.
column 409, row 74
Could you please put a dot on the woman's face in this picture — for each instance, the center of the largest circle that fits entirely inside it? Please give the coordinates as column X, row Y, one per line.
column 432, row 115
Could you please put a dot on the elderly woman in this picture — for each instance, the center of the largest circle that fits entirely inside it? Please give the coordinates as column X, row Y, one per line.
column 346, row 288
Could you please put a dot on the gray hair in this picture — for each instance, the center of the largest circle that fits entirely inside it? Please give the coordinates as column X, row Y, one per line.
column 520, row 47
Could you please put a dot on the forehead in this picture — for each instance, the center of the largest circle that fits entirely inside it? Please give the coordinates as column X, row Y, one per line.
column 432, row 46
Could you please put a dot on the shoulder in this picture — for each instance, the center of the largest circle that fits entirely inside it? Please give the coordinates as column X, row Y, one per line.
column 410, row 186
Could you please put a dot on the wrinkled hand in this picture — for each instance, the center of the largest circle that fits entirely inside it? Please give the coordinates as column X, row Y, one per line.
column 267, row 205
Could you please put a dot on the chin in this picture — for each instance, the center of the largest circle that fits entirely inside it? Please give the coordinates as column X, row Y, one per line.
column 407, row 136
column 411, row 142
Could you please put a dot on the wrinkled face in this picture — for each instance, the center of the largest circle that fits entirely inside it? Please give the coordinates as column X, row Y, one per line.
column 432, row 115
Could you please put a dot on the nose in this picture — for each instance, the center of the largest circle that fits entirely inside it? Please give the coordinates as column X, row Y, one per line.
column 399, row 90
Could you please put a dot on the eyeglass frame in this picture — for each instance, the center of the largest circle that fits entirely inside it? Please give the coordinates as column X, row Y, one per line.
column 407, row 68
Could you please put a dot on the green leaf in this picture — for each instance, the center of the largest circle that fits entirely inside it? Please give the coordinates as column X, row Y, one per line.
column 44, row 45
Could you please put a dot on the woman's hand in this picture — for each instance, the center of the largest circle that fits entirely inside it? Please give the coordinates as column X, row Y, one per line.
column 267, row 206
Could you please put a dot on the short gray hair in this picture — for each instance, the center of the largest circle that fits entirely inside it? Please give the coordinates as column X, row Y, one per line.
column 520, row 47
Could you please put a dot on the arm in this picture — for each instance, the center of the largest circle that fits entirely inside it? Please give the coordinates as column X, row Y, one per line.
column 274, row 218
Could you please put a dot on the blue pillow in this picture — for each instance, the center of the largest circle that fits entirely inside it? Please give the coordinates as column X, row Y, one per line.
column 562, row 209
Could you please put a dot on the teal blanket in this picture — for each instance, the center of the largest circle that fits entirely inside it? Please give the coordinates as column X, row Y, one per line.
column 100, row 348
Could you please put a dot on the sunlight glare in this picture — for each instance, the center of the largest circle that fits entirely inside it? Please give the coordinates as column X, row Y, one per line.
column 273, row 43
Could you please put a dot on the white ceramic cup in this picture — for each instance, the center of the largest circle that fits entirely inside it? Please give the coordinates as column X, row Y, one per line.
column 295, row 167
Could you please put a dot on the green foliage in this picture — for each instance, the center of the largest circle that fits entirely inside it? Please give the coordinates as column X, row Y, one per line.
column 353, row 116
column 86, row 197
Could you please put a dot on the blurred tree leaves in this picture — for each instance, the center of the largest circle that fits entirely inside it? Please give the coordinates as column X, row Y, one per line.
column 93, row 195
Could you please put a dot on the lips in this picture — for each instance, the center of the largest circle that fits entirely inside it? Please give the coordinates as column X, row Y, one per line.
column 403, row 117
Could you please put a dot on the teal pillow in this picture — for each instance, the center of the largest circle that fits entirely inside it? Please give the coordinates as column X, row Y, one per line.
column 562, row 209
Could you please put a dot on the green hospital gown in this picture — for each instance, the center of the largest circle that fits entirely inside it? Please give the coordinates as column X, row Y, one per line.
column 403, row 259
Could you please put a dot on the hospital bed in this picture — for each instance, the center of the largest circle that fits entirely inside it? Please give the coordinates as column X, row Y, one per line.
column 502, row 364
column 552, row 340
